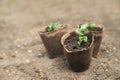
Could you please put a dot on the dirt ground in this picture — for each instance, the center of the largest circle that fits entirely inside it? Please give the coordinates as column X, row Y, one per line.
column 22, row 54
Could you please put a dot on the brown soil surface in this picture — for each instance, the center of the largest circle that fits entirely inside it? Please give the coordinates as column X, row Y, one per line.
column 71, row 43
column 22, row 54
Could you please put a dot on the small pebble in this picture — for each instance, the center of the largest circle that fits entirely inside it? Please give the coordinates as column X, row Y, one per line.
column 41, row 74
column 114, row 48
column 116, row 59
column 7, row 70
column 102, row 64
column 4, row 53
column 27, row 61
column 18, row 46
column 50, row 67
column 13, row 72
column 29, row 51
column 106, row 70
column 16, row 52
column 107, row 51
column 40, row 70
column 39, row 55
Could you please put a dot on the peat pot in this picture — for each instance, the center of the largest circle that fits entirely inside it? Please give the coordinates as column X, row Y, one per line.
column 52, row 41
column 78, row 56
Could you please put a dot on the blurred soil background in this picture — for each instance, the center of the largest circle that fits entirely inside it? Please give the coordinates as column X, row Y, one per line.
column 22, row 54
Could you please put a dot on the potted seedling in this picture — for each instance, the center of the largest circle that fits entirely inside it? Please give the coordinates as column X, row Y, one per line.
column 51, row 37
column 97, row 30
column 77, row 48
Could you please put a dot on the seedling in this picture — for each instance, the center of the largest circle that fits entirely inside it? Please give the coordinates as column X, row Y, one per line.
column 81, row 32
column 91, row 26
column 52, row 27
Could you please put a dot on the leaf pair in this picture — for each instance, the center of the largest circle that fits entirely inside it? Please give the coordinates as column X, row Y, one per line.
column 91, row 26
column 82, row 39
column 81, row 32
column 52, row 27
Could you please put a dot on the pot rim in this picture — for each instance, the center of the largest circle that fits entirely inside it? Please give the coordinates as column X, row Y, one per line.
column 52, row 33
column 96, row 26
column 100, row 27
column 64, row 37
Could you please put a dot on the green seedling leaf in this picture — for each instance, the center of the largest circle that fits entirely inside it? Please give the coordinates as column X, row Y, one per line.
column 49, row 29
column 79, row 32
column 85, row 38
column 52, row 27
column 81, row 38
column 79, row 43
column 91, row 26
column 84, row 27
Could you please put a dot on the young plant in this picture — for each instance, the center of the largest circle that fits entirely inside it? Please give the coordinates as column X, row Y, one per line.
column 81, row 32
column 91, row 26
column 52, row 27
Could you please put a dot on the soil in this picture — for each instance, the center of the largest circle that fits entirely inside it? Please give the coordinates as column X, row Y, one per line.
column 71, row 43
column 22, row 54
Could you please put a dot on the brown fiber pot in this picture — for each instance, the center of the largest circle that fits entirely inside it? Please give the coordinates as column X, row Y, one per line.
column 52, row 41
column 78, row 60
column 98, row 34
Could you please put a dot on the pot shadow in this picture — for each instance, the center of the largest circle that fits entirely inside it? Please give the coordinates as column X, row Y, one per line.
column 61, row 64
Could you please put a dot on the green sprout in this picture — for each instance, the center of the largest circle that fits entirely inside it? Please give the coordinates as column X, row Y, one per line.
column 91, row 26
column 82, row 39
column 81, row 32
column 52, row 27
